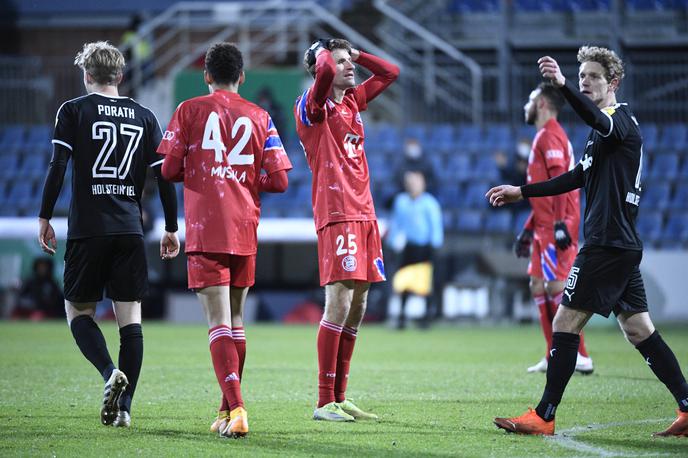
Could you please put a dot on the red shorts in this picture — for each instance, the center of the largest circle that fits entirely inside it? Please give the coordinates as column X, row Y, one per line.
column 219, row 269
column 350, row 250
column 550, row 263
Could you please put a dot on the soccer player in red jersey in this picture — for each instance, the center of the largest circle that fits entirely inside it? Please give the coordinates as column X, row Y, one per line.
column 550, row 235
column 217, row 145
column 329, row 124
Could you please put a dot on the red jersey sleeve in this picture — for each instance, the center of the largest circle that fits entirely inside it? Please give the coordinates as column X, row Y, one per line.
column 175, row 140
column 384, row 74
column 274, row 156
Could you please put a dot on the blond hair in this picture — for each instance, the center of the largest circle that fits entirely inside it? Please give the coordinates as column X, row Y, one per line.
column 611, row 63
column 102, row 61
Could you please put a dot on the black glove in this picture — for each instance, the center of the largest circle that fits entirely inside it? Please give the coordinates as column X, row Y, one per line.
column 562, row 238
column 320, row 43
column 522, row 243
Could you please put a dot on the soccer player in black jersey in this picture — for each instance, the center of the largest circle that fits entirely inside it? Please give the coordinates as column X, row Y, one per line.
column 111, row 141
column 605, row 276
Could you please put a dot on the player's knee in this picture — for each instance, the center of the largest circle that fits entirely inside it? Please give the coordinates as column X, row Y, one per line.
column 553, row 288
column 73, row 310
column 537, row 286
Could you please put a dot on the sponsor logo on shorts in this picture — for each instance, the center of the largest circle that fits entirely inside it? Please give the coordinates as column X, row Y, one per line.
column 349, row 263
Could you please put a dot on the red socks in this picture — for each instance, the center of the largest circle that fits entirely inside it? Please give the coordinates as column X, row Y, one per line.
column 239, row 338
column 545, row 318
column 226, row 364
column 346, row 349
column 328, row 348
column 554, row 304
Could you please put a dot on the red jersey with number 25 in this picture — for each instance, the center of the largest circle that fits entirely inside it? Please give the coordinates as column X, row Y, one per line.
column 332, row 137
column 225, row 141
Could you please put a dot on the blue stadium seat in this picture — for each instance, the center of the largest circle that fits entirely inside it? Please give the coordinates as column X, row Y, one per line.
column 650, row 135
column 673, row 137
column 525, row 132
column 448, row 217
column 389, row 138
column 441, row 138
column 458, row 169
column 683, row 173
column 474, row 194
column 486, row 168
column 21, row 189
column 39, row 137
column 675, row 229
column 449, row 195
column 12, row 137
column 469, row 138
column 656, row 195
column 498, row 221
column 664, row 167
column 520, row 220
column 498, row 137
column 469, row 221
column 473, row 6
column 649, row 5
column 680, row 199
column 9, row 166
column 417, row 131
column 649, row 226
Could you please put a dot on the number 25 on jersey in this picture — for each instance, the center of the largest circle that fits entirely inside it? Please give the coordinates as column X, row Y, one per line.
column 212, row 140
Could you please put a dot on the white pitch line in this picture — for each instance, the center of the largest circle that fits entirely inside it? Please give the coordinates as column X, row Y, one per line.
column 566, row 438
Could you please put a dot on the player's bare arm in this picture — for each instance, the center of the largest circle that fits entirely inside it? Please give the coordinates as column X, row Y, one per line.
column 549, row 68
column 46, row 236
column 169, row 245
column 504, row 194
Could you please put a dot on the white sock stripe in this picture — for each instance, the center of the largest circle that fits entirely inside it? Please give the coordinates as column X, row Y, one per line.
column 330, row 326
column 214, row 338
column 539, row 300
column 220, row 332
column 348, row 330
column 215, row 335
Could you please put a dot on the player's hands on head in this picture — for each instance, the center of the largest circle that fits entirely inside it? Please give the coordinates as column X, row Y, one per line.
column 522, row 243
column 504, row 194
column 46, row 236
column 316, row 48
column 549, row 68
column 169, row 245
column 355, row 54
column 562, row 238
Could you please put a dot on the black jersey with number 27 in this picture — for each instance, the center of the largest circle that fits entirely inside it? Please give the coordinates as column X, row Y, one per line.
column 612, row 166
column 112, row 141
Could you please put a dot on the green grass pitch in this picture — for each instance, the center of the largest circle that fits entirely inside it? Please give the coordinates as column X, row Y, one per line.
column 436, row 393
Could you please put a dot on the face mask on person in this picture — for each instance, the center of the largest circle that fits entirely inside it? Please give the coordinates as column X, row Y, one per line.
column 413, row 150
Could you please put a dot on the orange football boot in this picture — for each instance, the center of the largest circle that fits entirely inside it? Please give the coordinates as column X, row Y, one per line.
column 678, row 428
column 528, row 423
column 236, row 425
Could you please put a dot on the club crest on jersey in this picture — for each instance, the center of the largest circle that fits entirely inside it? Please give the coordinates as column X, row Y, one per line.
column 349, row 263
column 168, row 135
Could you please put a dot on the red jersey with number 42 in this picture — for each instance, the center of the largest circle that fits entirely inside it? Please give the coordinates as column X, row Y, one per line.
column 550, row 156
column 332, row 137
column 224, row 141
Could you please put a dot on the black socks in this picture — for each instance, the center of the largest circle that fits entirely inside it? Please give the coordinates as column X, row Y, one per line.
column 562, row 364
column 92, row 344
column 663, row 363
column 130, row 360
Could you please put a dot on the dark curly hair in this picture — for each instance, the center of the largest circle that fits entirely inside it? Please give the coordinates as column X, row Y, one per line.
column 553, row 95
column 224, row 63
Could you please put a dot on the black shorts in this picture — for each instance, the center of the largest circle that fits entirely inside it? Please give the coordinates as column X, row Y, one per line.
column 116, row 263
column 604, row 280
